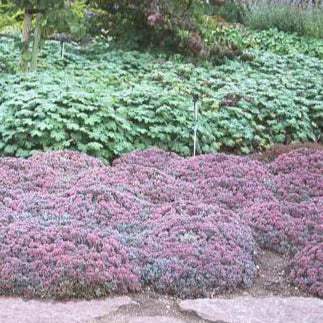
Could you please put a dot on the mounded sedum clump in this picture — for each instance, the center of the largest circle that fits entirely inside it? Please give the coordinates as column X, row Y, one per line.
column 306, row 270
column 70, row 226
column 195, row 249
column 217, row 165
column 298, row 175
column 62, row 260
column 155, row 158
column 298, row 160
column 233, row 193
column 284, row 227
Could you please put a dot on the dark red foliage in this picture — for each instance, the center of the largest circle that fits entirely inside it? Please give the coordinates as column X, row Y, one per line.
column 233, row 193
column 305, row 160
column 152, row 157
column 62, row 261
column 72, row 226
column 275, row 151
column 284, row 227
column 218, row 165
column 195, row 249
column 298, row 186
column 298, row 175
column 152, row 184
column 306, row 269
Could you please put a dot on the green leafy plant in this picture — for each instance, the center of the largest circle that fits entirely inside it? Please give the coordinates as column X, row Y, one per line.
column 284, row 43
column 175, row 26
column 107, row 102
column 39, row 19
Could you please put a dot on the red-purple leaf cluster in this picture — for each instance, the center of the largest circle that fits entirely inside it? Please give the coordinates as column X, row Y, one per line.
column 304, row 159
column 155, row 158
column 306, row 269
column 285, row 227
column 62, row 261
column 71, row 226
column 195, row 249
column 298, row 175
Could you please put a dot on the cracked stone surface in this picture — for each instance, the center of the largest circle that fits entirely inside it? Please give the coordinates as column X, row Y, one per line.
column 14, row 310
column 148, row 319
column 257, row 309
column 146, row 308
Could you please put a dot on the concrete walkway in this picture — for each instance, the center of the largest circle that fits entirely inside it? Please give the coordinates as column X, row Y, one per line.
column 144, row 309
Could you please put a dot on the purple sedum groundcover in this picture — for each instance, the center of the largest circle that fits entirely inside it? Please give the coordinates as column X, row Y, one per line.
column 71, row 226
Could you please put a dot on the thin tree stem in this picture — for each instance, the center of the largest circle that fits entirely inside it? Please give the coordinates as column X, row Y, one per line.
column 25, row 39
column 37, row 38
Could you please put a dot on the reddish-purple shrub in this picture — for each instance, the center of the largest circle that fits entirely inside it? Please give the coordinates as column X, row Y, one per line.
column 72, row 226
column 284, row 227
column 306, row 268
column 49, row 171
column 196, row 249
column 62, row 261
column 152, row 157
column 233, row 193
column 153, row 185
column 146, row 183
column 304, row 159
column 218, row 165
column 276, row 150
column 298, row 175
column 65, row 160
column 92, row 206
column 298, row 186
column 10, row 168
column 101, row 205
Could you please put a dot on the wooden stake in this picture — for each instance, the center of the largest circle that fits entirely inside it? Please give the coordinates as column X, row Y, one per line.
column 195, row 125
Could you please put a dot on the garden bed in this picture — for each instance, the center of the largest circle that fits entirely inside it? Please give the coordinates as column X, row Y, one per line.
column 71, row 226
column 107, row 102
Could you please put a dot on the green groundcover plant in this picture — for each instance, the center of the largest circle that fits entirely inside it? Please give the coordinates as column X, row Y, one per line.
column 281, row 42
column 106, row 102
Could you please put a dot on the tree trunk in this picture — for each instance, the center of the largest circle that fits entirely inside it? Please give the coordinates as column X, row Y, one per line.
column 37, row 37
column 25, row 39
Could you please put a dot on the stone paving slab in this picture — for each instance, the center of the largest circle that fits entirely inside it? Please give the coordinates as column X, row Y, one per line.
column 17, row 310
column 244, row 309
column 257, row 309
column 148, row 319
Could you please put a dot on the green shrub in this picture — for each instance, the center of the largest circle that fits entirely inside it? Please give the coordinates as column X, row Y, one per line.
column 56, row 116
column 107, row 102
column 305, row 22
column 284, row 43
column 8, row 17
column 180, row 26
